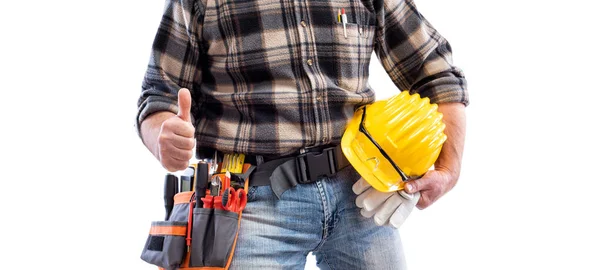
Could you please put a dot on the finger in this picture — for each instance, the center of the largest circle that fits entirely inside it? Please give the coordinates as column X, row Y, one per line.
column 182, row 128
column 360, row 186
column 367, row 214
column 422, row 183
column 426, row 199
column 170, row 151
column 403, row 211
column 183, row 143
column 387, row 209
column 170, row 137
column 184, row 100
column 372, row 199
column 173, row 165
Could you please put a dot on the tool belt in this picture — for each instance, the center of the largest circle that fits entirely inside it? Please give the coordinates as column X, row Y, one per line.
column 201, row 227
column 283, row 173
column 198, row 234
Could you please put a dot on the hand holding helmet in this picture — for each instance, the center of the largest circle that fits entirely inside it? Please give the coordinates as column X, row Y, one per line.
column 390, row 142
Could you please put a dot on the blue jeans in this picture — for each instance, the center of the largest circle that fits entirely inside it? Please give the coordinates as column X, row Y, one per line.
column 320, row 217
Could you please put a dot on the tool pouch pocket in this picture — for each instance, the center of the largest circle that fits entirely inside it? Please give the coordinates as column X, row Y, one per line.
column 165, row 246
column 213, row 235
column 166, row 243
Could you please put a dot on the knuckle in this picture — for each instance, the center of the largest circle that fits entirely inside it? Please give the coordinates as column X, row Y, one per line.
column 163, row 138
column 174, row 165
column 191, row 143
column 182, row 165
column 416, row 184
column 162, row 151
column 190, row 130
column 189, row 126
column 167, row 165
column 167, row 124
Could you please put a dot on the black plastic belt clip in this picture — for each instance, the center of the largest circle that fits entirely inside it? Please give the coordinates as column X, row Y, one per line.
column 311, row 165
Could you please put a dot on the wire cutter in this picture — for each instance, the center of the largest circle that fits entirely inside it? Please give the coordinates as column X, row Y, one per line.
column 212, row 202
column 234, row 201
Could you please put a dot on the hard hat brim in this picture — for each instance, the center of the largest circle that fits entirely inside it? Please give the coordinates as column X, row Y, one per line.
column 370, row 167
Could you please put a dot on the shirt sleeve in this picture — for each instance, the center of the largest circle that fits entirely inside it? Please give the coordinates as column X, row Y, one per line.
column 174, row 59
column 415, row 55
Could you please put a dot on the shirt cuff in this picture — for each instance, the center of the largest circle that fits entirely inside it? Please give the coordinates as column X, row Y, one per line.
column 150, row 106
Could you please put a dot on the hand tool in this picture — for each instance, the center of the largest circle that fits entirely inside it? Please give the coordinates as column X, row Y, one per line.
column 171, row 188
column 213, row 200
column 226, row 181
column 210, row 201
column 214, row 164
column 187, row 178
column 233, row 162
column 201, row 182
column 234, row 201
column 239, row 164
column 237, row 180
column 216, row 185
column 225, row 163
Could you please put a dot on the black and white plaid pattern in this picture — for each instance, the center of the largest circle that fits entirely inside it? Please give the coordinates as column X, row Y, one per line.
column 274, row 76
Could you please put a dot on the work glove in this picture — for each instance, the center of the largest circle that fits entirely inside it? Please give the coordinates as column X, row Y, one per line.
column 385, row 207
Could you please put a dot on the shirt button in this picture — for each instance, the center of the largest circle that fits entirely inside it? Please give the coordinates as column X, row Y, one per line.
column 303, row 23
column 309, row 62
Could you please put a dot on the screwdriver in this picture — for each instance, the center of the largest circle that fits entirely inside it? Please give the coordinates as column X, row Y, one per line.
column 201, row 183
column 171, row 188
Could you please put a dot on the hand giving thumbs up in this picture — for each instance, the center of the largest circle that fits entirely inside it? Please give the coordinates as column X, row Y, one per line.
column 176, row 137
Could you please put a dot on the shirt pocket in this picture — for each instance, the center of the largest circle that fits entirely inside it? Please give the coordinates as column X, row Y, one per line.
column 353, row 48
column 246, row 34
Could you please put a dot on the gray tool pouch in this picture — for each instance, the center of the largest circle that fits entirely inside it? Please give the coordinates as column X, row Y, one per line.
column 165, row 246
column 213, row 234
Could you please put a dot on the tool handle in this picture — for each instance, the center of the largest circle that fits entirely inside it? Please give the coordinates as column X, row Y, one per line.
column 201, row 183
column 169, row 193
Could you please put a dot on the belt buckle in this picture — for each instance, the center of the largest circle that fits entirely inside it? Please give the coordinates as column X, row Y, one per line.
column 311, row 165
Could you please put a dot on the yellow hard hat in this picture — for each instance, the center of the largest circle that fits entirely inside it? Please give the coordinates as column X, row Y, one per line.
column 390, row 142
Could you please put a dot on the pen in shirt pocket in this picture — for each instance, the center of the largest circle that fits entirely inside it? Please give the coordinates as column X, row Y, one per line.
column 344, row 22
column 341, row 17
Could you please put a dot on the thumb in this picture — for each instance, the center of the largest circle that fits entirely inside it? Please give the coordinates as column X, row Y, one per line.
column 185, row 104
column 417, row 185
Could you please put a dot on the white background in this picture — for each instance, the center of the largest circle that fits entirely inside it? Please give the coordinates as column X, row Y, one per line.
column 78, row 189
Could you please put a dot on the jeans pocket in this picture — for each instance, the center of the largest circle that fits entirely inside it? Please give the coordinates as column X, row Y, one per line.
column 165, row 246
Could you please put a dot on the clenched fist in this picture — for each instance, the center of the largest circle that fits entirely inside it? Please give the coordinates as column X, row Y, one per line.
column 170, row 137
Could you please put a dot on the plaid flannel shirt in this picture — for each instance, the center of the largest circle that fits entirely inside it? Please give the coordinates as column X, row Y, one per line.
column 271, row 77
